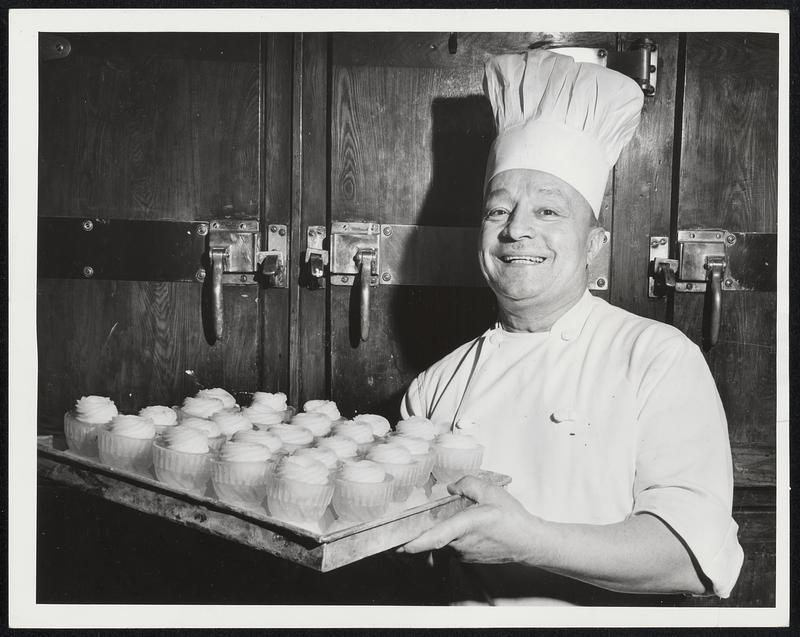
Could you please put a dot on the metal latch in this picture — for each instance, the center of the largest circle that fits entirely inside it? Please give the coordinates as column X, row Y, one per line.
column 316, row 258
column 639, row 62
column 355, row 256
column 272, row 262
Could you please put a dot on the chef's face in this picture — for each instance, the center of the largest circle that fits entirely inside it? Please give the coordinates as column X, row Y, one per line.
column 537, row 237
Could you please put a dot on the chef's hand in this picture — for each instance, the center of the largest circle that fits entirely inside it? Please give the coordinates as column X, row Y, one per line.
column 497, row 529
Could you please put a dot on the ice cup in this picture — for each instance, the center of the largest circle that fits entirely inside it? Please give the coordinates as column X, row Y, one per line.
column 124, row 452
column 188, row 471
column 362, row 501
column 296, row 501
column 241, row 483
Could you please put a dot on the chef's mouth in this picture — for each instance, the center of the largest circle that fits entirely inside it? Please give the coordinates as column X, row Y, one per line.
column 522, row 259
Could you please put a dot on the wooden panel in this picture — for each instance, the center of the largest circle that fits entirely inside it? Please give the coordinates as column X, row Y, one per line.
column 729, row 139
column 276, row 184
column 728, row 165
column 309, row 361
column 410, row 329
column 126, row 134
column 643, row 187
column 132, row 341
column 424, row 50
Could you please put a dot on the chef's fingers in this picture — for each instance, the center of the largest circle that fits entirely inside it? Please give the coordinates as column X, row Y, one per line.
column 473, row 488
column 441, row 534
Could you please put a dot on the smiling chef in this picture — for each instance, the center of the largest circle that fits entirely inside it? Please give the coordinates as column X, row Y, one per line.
column 609, row 424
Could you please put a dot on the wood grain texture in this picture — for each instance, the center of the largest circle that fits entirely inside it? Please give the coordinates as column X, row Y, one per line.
column 429, row 49
column 309, row 325
column 643, row 187
column 132, row 341
column 729, row 147
column 276, row 183
column 410, row 329
column 146, row 136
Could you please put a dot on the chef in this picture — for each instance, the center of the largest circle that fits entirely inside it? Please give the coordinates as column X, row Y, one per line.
column 609, row 424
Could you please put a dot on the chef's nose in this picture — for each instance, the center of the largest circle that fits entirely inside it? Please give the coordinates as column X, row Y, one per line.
column 520, row 225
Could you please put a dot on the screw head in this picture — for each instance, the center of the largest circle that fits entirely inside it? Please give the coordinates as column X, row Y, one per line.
column 243, row 278
column 242, row 226
column 59, row 47
column 215, row 225
column 649, row 90
column 386, row 276
column 601, row 283
column 662, row 241
column 387, row 231
column 731, row 239
column 602, row 53
column 345, row 227
column 87, row 225
column 728, row 283
column 282, row 232
column 344, row 279
column 200, row 275
column 652, row 68
column 273, row 228
column 692, row 235
column 201, row 229
column 654, row 243
column 88, row 272
column 690, row 286
column 312, row 232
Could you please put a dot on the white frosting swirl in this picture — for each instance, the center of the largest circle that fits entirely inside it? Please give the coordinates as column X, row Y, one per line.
column 292, row 434
column 378, row 424
column 259, row 437
column 360, row 432
column 261, row 414
column 317, row 423
column 231, row 422
column 342, row 446
column 244, row 452
column 95, row 410
column 457, row 441
column 303, row 469
column 362, row 471
column 227, row 399
column 327, row 407
column 185, row 439
column 323, row 454
column 137, row 427
column 201, row 407
column 160, row 416
column 276, row 401
column 418, row 427
column 390, row 453
column 417, row 446
column 208, row 427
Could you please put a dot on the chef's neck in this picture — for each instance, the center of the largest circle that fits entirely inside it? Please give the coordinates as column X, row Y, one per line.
column 532, row 315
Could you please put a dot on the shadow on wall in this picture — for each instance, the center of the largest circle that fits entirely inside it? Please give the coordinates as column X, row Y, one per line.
column 429, row 322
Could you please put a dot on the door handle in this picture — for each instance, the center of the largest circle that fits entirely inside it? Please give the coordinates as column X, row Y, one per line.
column 715, row 267
column 218, row 258
column 365, row 260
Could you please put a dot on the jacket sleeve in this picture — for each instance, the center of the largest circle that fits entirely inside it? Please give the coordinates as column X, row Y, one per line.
column 684, row 472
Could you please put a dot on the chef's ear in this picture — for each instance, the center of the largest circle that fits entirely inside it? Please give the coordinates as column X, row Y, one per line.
column 597, row 237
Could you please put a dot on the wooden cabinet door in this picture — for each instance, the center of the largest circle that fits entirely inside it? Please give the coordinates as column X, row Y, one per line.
column 409, row 135
column 161, row 127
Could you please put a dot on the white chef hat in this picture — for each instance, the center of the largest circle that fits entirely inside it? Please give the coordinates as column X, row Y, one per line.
column 559, row 116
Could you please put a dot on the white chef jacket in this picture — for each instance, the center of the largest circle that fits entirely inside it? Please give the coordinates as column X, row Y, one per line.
column 605, row 415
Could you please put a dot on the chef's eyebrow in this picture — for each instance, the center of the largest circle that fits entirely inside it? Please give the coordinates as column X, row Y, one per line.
column 497, row 193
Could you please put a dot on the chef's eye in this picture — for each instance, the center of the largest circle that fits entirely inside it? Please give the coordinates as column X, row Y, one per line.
column 495, row 212
column 547, row 212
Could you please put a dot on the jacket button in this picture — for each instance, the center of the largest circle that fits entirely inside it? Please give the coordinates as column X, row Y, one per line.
column 566, row 335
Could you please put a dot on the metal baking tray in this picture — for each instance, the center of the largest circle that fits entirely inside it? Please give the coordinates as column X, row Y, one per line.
column 322, row 551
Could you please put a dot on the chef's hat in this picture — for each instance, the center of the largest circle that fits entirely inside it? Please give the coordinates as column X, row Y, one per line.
column 559, row 116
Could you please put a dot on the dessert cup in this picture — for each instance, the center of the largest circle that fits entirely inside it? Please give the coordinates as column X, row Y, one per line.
column 241, row 483
column 189, row 471
column 81, row 436
column 362, row 501
column 452, row 464
column 297, row 501
column 123, row 452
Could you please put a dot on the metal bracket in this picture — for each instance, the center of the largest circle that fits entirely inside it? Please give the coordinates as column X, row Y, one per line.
column 640, row 62
column 53, row 47
column 695, row 247
column 272, row 262
column 347, row 240
column 316, row 258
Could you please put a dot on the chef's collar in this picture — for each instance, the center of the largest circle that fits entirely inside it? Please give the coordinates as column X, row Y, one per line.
column 566, row 328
